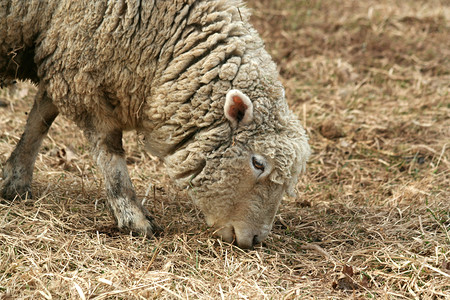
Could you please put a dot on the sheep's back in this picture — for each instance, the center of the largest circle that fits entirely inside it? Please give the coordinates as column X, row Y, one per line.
column 152, row 62
column 103, row 56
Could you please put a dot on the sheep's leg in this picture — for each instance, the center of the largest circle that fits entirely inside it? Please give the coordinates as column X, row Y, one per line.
column 18, row 169
column 109, row 155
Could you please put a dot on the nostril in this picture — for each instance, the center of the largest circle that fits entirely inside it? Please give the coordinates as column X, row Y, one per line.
column 255, row 240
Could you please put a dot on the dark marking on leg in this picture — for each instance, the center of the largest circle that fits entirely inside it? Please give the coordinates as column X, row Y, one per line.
column 113, row 142
column 18, row 169
column 128, row 212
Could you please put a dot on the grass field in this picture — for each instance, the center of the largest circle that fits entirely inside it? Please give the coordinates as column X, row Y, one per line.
column 370, row 81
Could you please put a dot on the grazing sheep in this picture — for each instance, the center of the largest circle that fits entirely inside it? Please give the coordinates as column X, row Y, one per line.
column 191, row 75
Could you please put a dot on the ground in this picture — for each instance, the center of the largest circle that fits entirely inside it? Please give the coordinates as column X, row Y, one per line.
column 369, row 81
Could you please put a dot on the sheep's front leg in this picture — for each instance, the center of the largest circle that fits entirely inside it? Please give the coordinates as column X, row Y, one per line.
column 18, row 169
column 109, row 155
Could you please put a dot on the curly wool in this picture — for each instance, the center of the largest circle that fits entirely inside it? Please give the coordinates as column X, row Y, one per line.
column 162, row 68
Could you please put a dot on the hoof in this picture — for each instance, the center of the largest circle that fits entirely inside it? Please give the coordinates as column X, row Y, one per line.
column 143, row 226
column 11, row 192
column 16, row 182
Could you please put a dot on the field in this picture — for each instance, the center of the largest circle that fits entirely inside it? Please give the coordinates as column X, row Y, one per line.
column 370, row 81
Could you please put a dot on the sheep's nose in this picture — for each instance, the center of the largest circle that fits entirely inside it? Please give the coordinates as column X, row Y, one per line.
column 248, row 240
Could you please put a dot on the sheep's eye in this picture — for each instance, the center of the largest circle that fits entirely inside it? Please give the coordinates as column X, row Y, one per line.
column 257, row 164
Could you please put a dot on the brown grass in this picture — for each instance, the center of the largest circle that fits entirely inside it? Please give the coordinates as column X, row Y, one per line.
column 370, row 81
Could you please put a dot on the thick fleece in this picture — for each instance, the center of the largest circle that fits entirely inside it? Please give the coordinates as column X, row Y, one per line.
column 162, row 68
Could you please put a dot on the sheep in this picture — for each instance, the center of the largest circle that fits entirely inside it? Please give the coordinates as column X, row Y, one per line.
column 192, row 76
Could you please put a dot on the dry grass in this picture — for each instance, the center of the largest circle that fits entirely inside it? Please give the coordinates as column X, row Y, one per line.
column 370, row 81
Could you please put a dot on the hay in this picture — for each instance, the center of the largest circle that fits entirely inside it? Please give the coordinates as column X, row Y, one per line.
column 372, row 217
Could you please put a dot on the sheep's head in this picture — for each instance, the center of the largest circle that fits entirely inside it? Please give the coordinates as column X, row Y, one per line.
column 239, row 182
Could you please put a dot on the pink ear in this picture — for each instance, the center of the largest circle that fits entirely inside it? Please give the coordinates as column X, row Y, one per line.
column 238, row 108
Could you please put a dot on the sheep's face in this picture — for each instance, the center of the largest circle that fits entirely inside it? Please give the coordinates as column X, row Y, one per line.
column 240, row 186
column 237, row 197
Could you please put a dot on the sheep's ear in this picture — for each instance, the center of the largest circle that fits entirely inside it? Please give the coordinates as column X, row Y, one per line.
column 238, row 108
